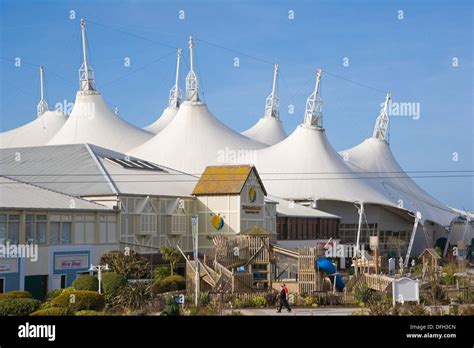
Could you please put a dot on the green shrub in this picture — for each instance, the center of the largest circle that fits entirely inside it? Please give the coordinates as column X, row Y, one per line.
column 259, row 301
column 53, row 294
column 362, row 294
column 89, row 313
column 244, row 303
column 55, row 311
column 19, row 306
column 161, row 273
column 112, row 282
column 171, row 307
column 86, row 282
column 131, row 265
column 79, row 300
column 170, row 283
column 135, row 295
column 204, row 299
column 15, row 294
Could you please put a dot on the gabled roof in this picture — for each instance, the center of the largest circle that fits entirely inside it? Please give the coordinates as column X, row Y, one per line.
column 225, row 180
column 19, row 195
column 432, row 252
column 88, row 170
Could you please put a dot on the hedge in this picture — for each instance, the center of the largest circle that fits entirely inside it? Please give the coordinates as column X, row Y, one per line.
column 53, row 294
column 15, row 294
column 89, row 313
column 80, row 300
column 170, row 283
column 19, row 306
column 86, row 282
column 55, row 311
column 111, row 284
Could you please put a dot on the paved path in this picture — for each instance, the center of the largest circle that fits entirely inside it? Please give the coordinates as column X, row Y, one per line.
column 299, row 311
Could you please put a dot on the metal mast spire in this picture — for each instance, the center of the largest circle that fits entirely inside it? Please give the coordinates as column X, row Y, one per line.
column 42, row 105
column 86, row 72
column 175, row 92
column 313, row 115
column 272, row 102
column 192, row 91
column 381, row 124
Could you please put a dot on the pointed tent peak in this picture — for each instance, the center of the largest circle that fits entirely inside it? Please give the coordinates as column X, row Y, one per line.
column 192, row 90
column 86, row 72
column 42, row 105
column 381, row 124
column 175, row 92
column 314, row 105
column 272, row 102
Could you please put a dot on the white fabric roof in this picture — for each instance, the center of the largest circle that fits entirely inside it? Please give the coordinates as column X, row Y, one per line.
column 306, row 166
column 84, row 170
column 268, row 130
column 35, row 133
column 374, row 155
column 165, row 118
column 19, row 195
column 91, row 121
column 287, row 208
column 193, row 140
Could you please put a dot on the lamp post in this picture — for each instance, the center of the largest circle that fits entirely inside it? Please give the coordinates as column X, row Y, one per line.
column 99, row 270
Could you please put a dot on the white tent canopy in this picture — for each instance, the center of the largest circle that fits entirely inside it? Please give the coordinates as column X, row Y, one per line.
column 195, row 138
column 91, row 120
column 374, row 158
column 306, row 166
column 269, row 129
column 166, row 117
column 39, row 131
column 173, row 104
column 36, row 133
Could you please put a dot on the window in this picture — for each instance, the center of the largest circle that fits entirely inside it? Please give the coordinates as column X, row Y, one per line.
column 135, row 164
column 35, row 229
column 84, row 228
column 108, row 229
column 60, row 231
column 178, row 223
column 54, row 233
column 13, row 228
column 3, row 228
column 66, row 233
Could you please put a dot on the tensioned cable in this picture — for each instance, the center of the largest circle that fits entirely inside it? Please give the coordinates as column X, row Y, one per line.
column 133, row 34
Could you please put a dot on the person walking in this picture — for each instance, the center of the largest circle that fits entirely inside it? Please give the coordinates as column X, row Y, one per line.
column 283, row 299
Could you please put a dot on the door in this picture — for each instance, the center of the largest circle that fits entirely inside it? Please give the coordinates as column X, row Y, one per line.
column 37, row 285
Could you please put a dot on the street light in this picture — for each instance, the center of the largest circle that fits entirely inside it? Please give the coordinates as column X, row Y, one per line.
column 99, row 270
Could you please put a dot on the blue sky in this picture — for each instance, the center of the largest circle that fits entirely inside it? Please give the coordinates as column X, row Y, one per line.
column 412, row 57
